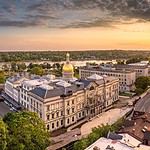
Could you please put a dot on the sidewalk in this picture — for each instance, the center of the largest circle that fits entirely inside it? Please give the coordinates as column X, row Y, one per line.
column 109, row 117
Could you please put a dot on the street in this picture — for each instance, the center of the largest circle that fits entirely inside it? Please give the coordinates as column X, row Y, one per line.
column 109, row 117
column 4, row 109
column 143, row 105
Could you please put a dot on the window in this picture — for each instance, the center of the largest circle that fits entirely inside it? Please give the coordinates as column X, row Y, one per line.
column 48, row 127
column 61, row 113
column 52, row 125
column 57, row 123
column 72, row 110
column 37, row 105
column 73, row 119
column 79, row 115
column 57, row 114
column 47, row 117
column 72, row 101
column 61, row 122
column 48, row 108
column 83, row 113
column 68, row 120
column 31, row 101
column 68, row 111
column 52, row 116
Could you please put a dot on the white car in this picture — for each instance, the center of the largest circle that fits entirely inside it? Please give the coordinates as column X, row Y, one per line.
column 11, row 109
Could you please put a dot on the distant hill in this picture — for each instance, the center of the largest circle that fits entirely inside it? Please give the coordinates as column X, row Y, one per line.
column 75, row 55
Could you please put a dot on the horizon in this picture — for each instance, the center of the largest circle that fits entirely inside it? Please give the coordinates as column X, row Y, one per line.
column 68, row 25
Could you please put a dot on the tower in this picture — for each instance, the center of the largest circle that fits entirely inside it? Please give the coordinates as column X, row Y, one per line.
column 68, row 70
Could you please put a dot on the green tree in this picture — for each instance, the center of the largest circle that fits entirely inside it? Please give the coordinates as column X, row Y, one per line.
column 142, row 82
column 14, row 66
column 21, row 66
column 26, row 131
column 3, row 134
column 2, row 77
column 81, row 145
column 37, row 71
column 100, row 131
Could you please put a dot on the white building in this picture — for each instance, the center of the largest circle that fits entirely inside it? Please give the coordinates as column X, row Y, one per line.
column 126, row 78
column 139, row 68
column 108, row 144
column 12, row 86
column 62, row 103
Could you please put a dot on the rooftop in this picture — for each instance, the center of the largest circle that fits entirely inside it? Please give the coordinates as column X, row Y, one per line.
column 104, row 144
column 64, row 139
column 139, row 128
column 98, row 68
column 64, row 88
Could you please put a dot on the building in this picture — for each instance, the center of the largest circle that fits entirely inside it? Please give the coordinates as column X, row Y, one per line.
column 67, row 70
column 120, row 141
column 62, row 102
column 108, row 144
column 140, row 68
column 138, row 127
column 126, row 77
column 12, row 85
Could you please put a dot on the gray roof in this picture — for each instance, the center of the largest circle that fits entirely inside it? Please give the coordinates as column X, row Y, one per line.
column 114, row 136
column 57, row 91
column 44, row 93
column 85, row 82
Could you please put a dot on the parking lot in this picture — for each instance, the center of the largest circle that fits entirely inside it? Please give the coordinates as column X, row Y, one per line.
column 4, row 109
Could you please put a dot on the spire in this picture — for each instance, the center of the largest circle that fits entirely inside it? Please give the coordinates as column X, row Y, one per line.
column 67, row 57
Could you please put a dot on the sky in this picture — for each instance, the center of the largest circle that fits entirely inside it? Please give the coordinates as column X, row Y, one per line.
column 74, row 24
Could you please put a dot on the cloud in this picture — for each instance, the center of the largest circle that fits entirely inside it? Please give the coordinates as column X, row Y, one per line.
column 72, row 13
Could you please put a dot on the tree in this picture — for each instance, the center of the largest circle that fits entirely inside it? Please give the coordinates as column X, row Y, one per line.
column 3, row 134
column 2, row 77
column 26, row 131
column 100, row 131
column 142, row 82
column 37, row 71
column 21, row 66
column 13, row 66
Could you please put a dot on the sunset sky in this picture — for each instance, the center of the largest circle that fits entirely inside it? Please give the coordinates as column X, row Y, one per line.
column 74, row 24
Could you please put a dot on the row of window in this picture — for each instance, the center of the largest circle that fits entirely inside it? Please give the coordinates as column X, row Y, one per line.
column 54, row 115
column 60, row 123
column 87, row 73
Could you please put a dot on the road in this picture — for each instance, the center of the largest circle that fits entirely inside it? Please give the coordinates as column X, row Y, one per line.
column 4, row 109
column 143, row 104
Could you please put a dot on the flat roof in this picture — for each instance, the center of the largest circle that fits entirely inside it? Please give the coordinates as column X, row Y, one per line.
column 104, row 143
column 64, row 139
column 105, row 70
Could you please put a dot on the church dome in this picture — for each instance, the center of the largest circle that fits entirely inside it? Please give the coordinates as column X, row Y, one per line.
column 68, row 68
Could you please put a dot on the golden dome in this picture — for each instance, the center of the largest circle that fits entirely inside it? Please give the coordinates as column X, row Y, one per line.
column 68, row 68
